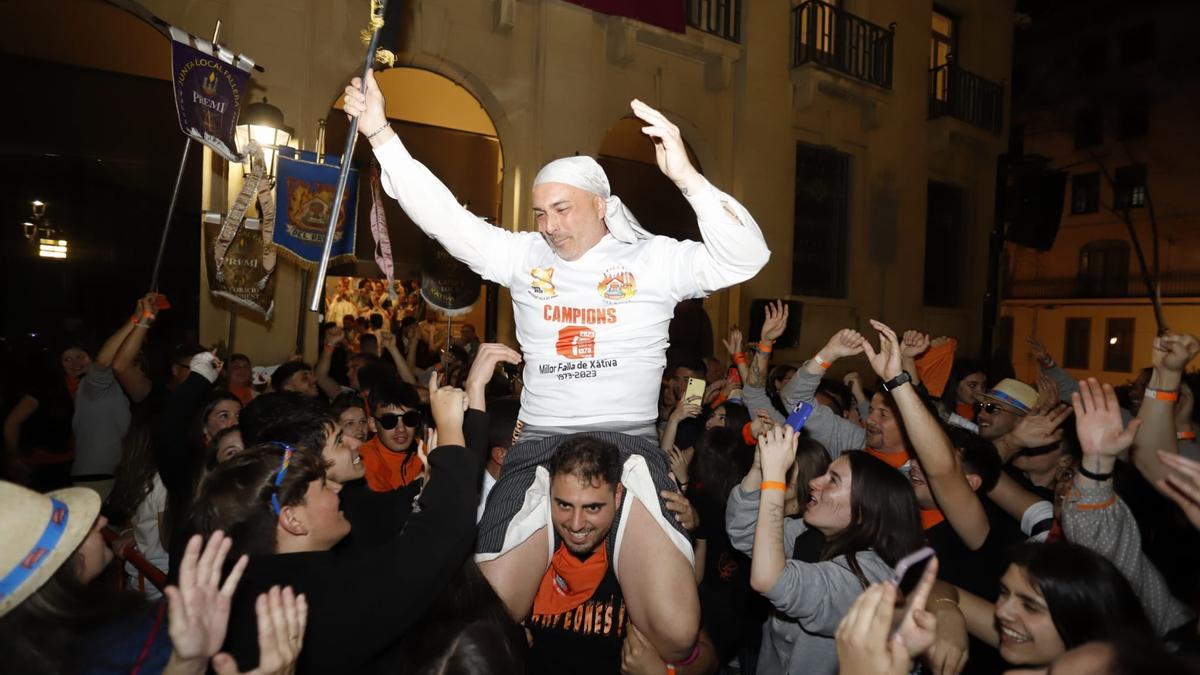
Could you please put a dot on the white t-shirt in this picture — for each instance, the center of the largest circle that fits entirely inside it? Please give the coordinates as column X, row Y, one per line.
column 488, row 484
column 593, row 330
column 146, row 534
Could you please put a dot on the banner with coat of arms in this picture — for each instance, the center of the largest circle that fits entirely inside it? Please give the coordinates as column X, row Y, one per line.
column 240, row 277
column 209, row 83
column 303, row 197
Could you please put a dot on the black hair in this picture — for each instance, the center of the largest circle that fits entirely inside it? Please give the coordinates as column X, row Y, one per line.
column 978, row 456
column 696, row 366
column 376, row 320
column 134, row 476
column 884, row 516
column 273, row 408
column 962, row 368
column 588, row 459
column 285, row 371
column 215, row 398
column 716, row 468
column 344, row 402
column 307, row 433
column 812, row 460
column 778, row 372
column 212, row 452
column 236, row 497
column 1088, row 597
column 736, row 415
column 374, row 372
column 842, row 398
column 502, row 414
column 239, row 357
column 393, row 392
column 368, row 338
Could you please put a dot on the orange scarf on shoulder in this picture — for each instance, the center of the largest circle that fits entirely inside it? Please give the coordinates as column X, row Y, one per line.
column 570, row 582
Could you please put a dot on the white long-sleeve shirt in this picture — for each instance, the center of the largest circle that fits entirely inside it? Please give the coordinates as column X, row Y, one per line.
column 593, row 330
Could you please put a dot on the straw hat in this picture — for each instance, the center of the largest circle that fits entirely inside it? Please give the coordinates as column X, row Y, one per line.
column 1012, row 395
column 39, row 536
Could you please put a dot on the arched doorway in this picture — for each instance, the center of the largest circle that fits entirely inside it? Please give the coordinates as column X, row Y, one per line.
column 447, row 129
column 627, row 156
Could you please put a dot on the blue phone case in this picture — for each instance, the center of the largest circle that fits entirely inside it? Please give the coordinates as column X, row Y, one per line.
column 799, row 416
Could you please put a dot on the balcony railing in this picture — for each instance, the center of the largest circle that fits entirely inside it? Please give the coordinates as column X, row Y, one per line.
column 722, row 18
column 837, row 39
column 964, row 95
column 1172, row 285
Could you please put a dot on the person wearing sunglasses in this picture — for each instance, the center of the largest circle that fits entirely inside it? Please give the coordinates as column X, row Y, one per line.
column 390, row 457
column 999, row 410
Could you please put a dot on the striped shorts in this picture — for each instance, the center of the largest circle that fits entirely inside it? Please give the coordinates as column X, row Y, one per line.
column 519, row 503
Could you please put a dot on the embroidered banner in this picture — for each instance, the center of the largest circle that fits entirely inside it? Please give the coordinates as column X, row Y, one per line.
column 446, row 283
column 304, row 196
column 243, row 278
column 209, row 83
column 669, row 14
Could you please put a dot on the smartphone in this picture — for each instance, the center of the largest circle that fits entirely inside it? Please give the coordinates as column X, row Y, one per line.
column 910, row 569
column 734, row 377
column 799, row 416
column 695, row 390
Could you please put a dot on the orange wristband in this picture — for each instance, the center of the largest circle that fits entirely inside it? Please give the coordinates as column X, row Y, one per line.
column 822, row 362
column 1185, row 436
column 740, row 358
column 772, row 485
column 747, row 435
column 1162, row 395
column 764, row 349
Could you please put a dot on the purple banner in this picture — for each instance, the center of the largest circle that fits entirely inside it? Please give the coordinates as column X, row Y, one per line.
column 208, row 97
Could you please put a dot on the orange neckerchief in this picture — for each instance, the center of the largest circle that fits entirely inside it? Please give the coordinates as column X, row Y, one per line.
column 72, row 386
column 387, row 470
column 934, row 367
column 570, row 582
column 965, row 411
column 931, row 517
column 893, row 459
column 243, row 394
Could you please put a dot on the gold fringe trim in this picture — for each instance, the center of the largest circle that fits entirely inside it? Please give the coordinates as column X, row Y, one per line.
column 306, row 264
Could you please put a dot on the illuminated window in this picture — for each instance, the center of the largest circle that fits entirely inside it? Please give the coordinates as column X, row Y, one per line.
column 53, row 248
column 942, row 47
column 1130, row 188
column 1118, row 345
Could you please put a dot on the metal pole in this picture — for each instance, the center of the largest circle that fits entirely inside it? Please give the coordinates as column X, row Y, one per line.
column 162, row 244
column 314, row 303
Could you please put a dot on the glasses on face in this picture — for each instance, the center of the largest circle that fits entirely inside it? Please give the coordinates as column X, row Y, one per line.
column 989, row 408
column 411, row 419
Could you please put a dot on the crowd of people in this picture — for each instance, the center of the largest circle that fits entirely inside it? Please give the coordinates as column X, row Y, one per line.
column 573, row 503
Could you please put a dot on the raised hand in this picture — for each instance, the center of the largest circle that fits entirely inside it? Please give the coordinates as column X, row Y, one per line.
column 1038, row 351
column 914, row 344
column 1047, row 391
column 282, row 618
column 334, row 335
column 845, row 342
column 864, row 646
column 682, row 508
column 1173, row 351
column 681, row 461
column 777, row 450
column 387, row 341
column 918, row 627
column 683, row 410
column 1098, row 420
column 368, row 106
column 1182, row 484
column 669, row 149
column 713, row 388
column 775, row 321
column 733, row 343
column 448, row 405
column 1040, row 428
column 484, row 367
column 199, row 606
column 887, row 361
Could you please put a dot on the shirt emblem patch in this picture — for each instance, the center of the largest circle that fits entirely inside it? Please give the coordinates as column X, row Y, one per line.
column 541, row 286
column 618, row 285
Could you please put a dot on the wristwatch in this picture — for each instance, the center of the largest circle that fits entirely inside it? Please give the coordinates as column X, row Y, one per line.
column 896, row 381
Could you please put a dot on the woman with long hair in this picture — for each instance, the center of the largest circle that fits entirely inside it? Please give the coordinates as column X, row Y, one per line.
column 868, row 514
column 138, row 502
column 1053, row 598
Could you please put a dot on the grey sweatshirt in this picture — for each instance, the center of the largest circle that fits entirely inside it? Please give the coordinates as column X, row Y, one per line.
column 810, row 599
column 101, row 420
column 837, row 434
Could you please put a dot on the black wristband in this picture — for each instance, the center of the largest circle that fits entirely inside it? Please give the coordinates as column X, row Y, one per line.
column 1101, row 477
column 896, row 381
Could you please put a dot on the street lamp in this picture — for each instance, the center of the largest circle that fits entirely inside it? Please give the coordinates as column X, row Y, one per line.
column 263, row 123
column 50, row 243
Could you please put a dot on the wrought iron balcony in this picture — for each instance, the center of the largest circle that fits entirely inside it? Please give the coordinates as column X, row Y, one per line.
column 722, row 18
column 1173, row 284
column 966, row 96
column 836, row 39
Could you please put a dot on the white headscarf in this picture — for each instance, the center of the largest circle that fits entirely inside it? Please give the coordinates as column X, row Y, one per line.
column 587, row 174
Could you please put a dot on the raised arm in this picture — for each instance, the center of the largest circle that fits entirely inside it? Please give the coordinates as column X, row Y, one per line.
column 777, row 451
column 733, row 249
column 104, row 357
column 387, row 342
column 1096, row 518
column 484, row 367
column 131, row 378
column 835, row 433
column 1172, row 352
column 329, row 386
column 1066, row 384
column 488, row 250
column 939, row 460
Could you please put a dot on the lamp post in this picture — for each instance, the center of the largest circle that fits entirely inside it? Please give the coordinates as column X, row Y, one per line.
column 263, row 123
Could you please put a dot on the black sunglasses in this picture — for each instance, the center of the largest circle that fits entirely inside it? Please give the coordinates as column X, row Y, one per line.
column 989, row 408
column 412, row 419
